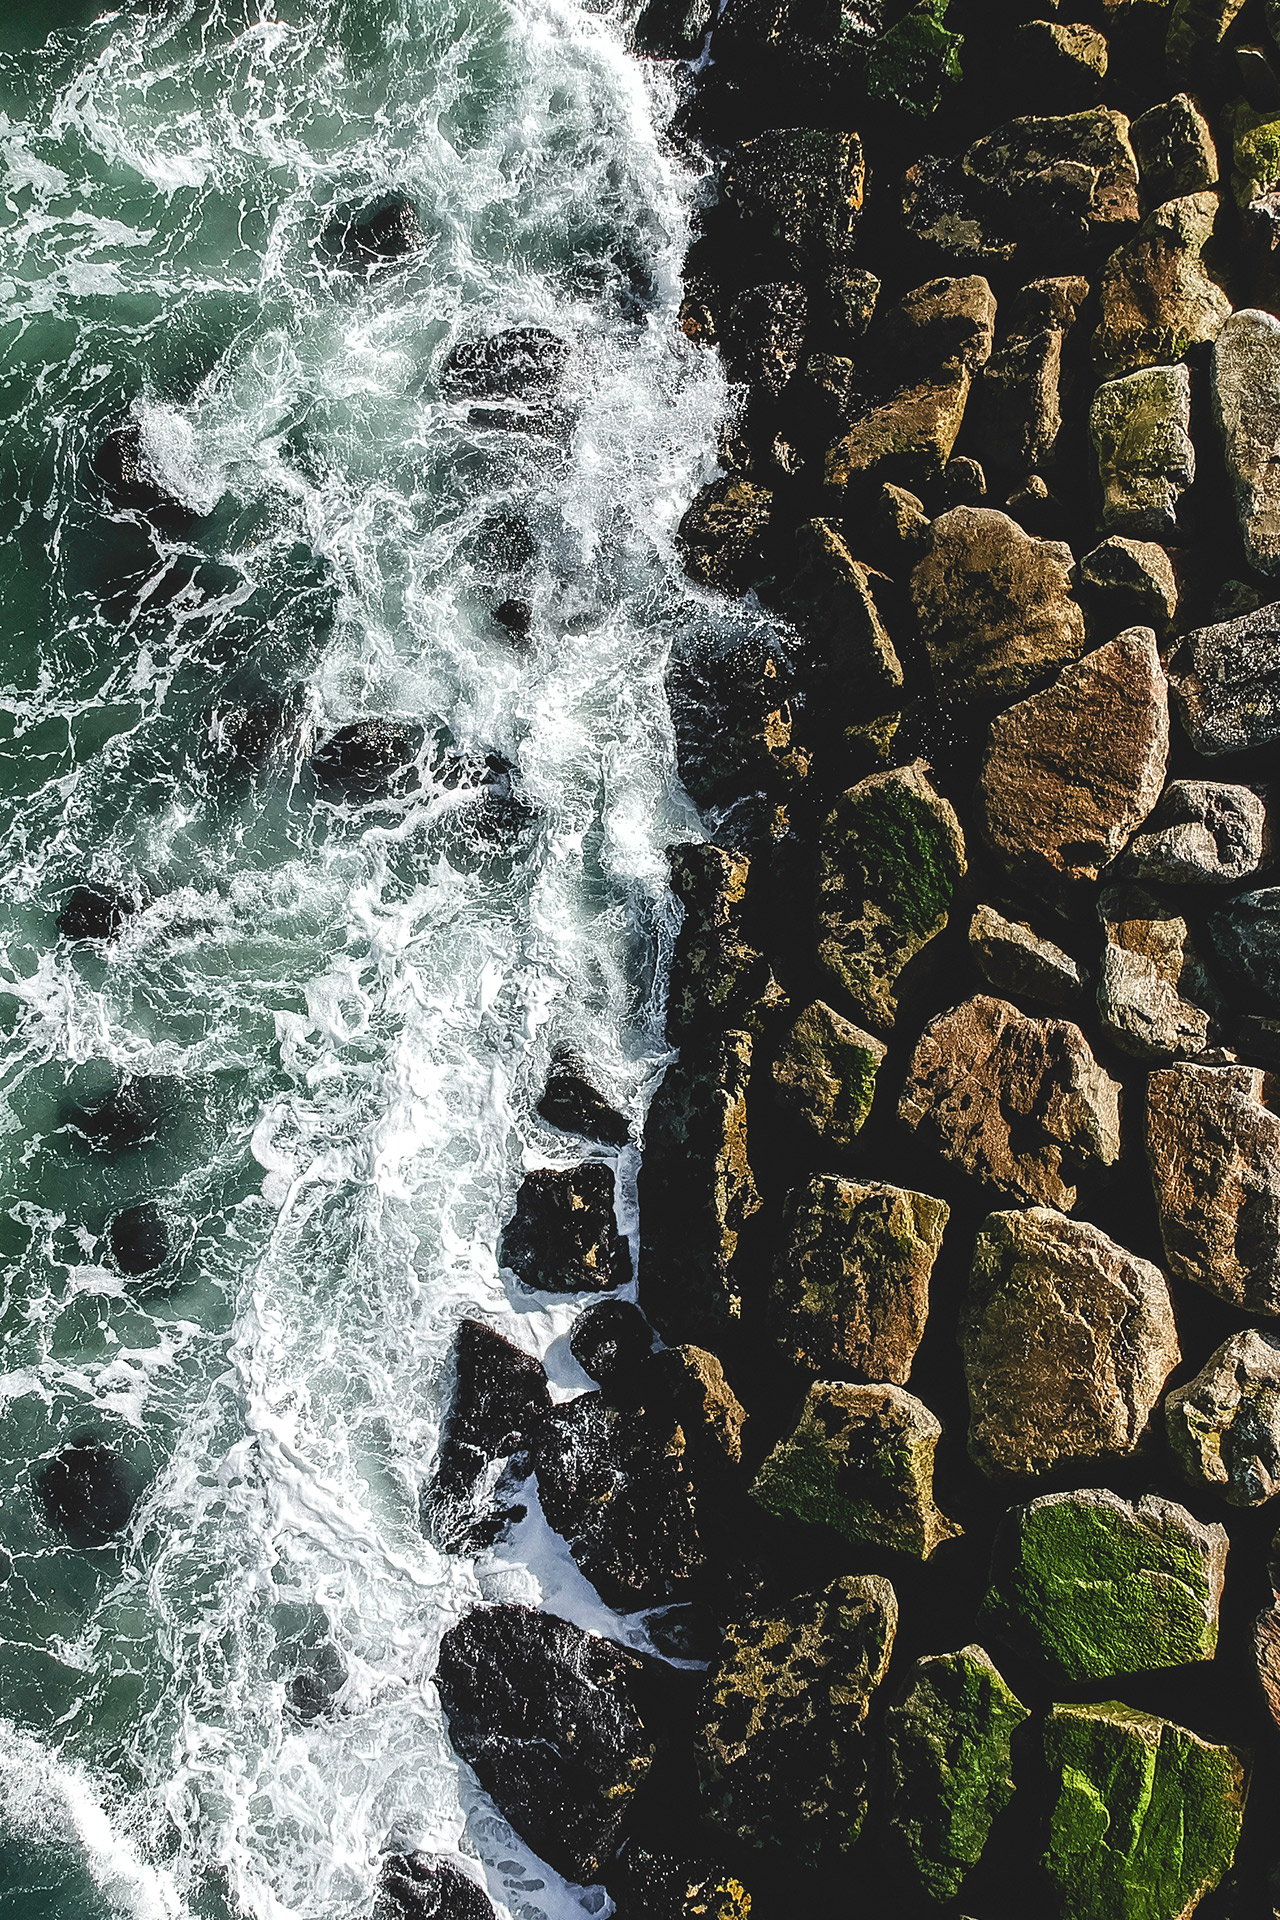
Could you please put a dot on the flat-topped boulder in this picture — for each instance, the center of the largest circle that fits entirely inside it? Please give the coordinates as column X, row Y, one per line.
column 1214, row 1151
column 800, row 186
column 1062, row 181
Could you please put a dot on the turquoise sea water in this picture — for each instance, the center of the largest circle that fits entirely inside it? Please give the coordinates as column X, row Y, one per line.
column 355, row 1005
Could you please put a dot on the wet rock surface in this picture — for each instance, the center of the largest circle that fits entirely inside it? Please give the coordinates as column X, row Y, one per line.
column 499, row 1402
column 563, row 1236
column 429, row 1886
column 572, row 1104
column 1214, row 1153
column 368, row 760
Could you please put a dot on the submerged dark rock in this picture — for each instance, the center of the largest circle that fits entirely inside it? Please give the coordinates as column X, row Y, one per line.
column 125, row 475
column 366, row 760
column 610, row 1340
column 140, row 1238
column 524, row 363
column 429, row 1886
column 130, row 1115
column 516, row 616
column 502, row 544
column 88, row 1491
column 95, row 913
column 380, row 233
column 499, row 1402
column 563, row 1237
column 572, row 1104
column 314, row 1688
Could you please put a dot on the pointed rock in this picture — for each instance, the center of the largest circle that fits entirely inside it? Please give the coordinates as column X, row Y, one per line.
column 824, row 1076
column 1013, row 958
column 1246, row 404
column 1158, row 299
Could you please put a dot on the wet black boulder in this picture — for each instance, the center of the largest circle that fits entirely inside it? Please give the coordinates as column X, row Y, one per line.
column 516, row 617
column 367, row 760
column 95, row 913
column 549, row 1719
column 130, row 1115
column 88, row 1491
column 563, row 1237
column 140, row 1238
column 375, row 235
column 571, row 1103
column 429, row 1886
column 499, row 1401
column 610, row 1340
column 650, row 1885
column 126, row 478
column 524, row 363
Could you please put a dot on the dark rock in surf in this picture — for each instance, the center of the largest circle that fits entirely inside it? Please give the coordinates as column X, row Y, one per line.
column 95, row 913
column 313, row 1690
column 524, row 363
column 367, row 760
column 130, row 1115
column 731, row 707
column 88, row 1491
column 378, row 234
column 429, row 1886
column 610, row 1340
column 723, row 533
column 140, row 1238
column 648, row 1885
column 499, row 1402
column 563, row 1236
column 123, row 472
column 250, row 733
column 572, row 1104
column 673, row 29
column 516, row 617
column 549, row 1719
column 686, row 1632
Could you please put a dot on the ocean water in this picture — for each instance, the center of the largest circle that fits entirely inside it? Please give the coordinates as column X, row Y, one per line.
column 353, row 1005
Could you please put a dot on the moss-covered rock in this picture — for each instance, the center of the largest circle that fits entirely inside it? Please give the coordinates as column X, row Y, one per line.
column 911, row 63
column 1098, row 1586
column 1141, row 431
column 950, row 1769
column 907, row 438
column 824, row 1076
column 1146, row 1814
column 1158, row 299
column 716, row 974
column 860, row 1461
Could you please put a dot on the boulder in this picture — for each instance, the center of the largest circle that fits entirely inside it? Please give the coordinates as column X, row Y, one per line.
column 1174, row 150
column 1226, row 683
column 1019, row 408
column 563, row 1236
column 730, row 700
column 673, row 29
column 367, row 760
column 912, row 62
column 851, row 1282
column 716, row 975
column 1246, row 406
column 723, row 533
column 647, row 1885
column 1140, row 426
column 692, row 1383
column 1129, row 583
column 88, row 1491
column 132, row 1114
column 847, row 303
column 1214, row 1152
column 1157, row 297
column 781, row 1750
column 1062, row 182
column 1197, row 29
column 1094, row 1586
column 1146, row 1815
column 1059, row 64
column 824, row 1077
column 523, row 363
column 429, row 1886
column 1067, row 1342
column 764, row 335
column 860, row 1461
column 1072, row 772
column 949, row 1737
column 1203, row 833
column 832, row 600
column 890, row 858
column 610, row 1340
column 376, row 235
column 697, row 1191
column 1018, row 1103
column 498, row 1403
column 571, row 1104
column 1243, row 935
column 1224, row 1426
column 548, row 1719
column 995, row 606
column 907, row 438
column 951, row 319
column 95, row 913
column 140, row 1238
column 123, row 467
column 800, row 186
column 1013, row 958
column 943, row 210
column 1154, row 997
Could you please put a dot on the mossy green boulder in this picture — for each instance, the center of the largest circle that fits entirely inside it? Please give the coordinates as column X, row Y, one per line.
column 1146, row 1814
column 950, row 1766
column 824, row 1076
column 1098, row 1586
column 911, row 64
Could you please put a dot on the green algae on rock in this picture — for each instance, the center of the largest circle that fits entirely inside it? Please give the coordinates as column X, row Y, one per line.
column 1146, row 1817
column 892, row 854
column 1140, row 426
column 824, row 1076
column 950, row 1767
column 911, row 63
column 860, row 1461
column 1098, row 1586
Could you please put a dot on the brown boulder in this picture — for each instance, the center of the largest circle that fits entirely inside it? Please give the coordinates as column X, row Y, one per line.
column 1019, row 401
column 723, row 533
column 1175, row 150
column 1214, row 1151
column 908, row 437
column 1154, row 997
column 1157, row 297
column 824, row 1076
column 1013, row 958
column 1059, row 180
column 944, row 320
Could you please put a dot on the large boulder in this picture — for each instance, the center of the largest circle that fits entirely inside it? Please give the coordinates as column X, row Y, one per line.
column 780, row 1744
column 724, row 533
column 563, row 1236
column 1174, row 149
column 1129, row 583
column 1246, row 404
column 860, row 1461
column 1214, row 1151
column 1019, row 402
column 1067, row 1342
column 1197, row 28
column 95, row 912
column 1072, row 772
column 1154, row 997
column 1226, row 683
column 763, row 336
column 1140, row 426
column 1243, row 938
column 1064, row 182
column 890, row 858
column 610, row 1340
column 1203, row 833
column 1021, row 1104
column 941, row 321
column 362, row 241
column 832, row 600
column 824, row 1077
column 1157, row 298
column 548, row 1718
column 799, row 186
column 1224, row 1426
column 717, row 974
column 907, row 438
column 88, row 1491
column 498, row 1404
column 1097, row 1586
column 851, row 1283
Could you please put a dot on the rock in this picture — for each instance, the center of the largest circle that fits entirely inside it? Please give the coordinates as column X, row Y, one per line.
column 723, row 533
column 941, row 210
column 896, row 528
column 313, row 1691
column 1060, row 182
column 1013, row 958
column 824, row 1077
column 1226, row 683
column 498, row 1404
column 665, row 1886
column 851, row 1283
column 610, row 1340
column 950, row 1766
column 1246, row 406
column 1019, row 405
column 1141, row 431
column 524, row 363
column 1224, row 1426
column 572, row 1104
column 1146, row 1816
column 516, row 617
column 88, row 1491
column 780, row 1745
column 1059, row 64
column 995, row 607
column 831, row 598
column 802, row 186
column 1154, row 997
column 907, row 438
column 764, row 335
column 429, row 1886
column 912, row 62
column 140, row 1238
column 131, row 1115
column 1258, row 77
column 1175, row 150
column 1072, row 772
column 123, row 468
column 1020, row 1104
column 691, row 1381
column 1157, row 298
column 860, row 1461
column 378, row 234
column 1096, row 1586
column 673, row 29
column 367, row 760
column 697, row 1191
column 1129, row 583
column 563, row 1237
column 945, row 320
column 890, row 858
column 848, row 302
column 715, row 974
column 1203, row 833
column 731, row 708
column 1197, row 29
column 1214, row 1152
column 1242, row 935
column 95, row 913
column 547, row 1718
column 963, row 484
column 1067, row 1342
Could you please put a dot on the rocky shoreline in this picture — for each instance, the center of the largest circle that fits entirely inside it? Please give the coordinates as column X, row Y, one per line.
column 960, row 1206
